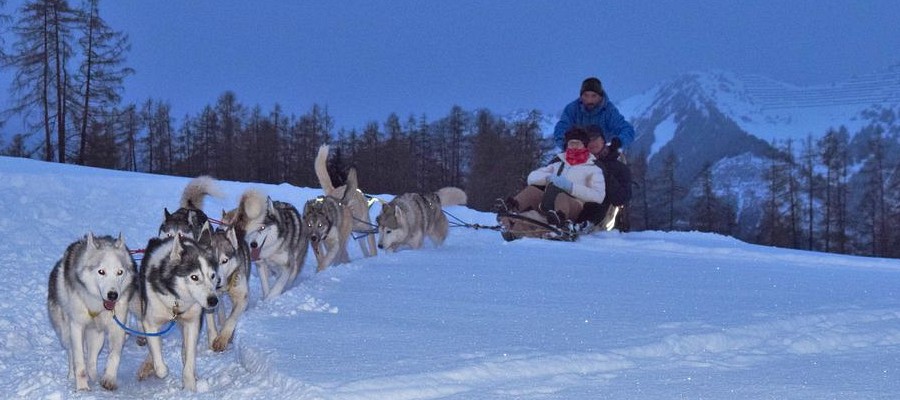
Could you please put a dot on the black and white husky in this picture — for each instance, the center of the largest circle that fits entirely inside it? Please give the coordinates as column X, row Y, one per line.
column 409, row 218
column 233, row 255
column 277, row 240
column 178, row 280
column 189, row 218
column 92, row 282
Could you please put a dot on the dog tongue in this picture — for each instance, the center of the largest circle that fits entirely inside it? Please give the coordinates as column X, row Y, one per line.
column 109, row 304
column 254, row 254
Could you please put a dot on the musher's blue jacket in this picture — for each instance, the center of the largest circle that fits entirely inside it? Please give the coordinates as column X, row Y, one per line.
column 605, row 115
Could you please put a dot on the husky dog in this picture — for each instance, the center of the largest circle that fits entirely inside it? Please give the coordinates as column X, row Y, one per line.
column 189, row 219
column 276, row 237
column 359, row 207
column 233, row 255
column 92, row 282
column 178, row 280
column 408, row 218
column 329, row 223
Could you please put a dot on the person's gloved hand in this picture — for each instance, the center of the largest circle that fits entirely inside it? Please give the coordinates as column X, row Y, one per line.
column 561, row 182
column 614, row 145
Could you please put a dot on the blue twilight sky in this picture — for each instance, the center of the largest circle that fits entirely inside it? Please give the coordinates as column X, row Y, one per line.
column 366, row 59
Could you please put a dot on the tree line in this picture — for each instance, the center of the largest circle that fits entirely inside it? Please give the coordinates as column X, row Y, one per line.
column 834, row 195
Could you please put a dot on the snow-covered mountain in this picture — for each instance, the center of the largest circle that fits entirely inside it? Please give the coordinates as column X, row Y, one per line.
column 768, row 109
column 735, row 123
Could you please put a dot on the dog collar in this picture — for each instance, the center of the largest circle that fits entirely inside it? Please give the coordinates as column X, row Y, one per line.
column 175, row 312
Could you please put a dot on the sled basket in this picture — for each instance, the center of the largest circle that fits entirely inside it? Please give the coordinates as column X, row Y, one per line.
column 531, row 224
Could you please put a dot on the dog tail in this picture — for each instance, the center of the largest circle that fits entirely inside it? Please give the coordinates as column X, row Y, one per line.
column 452, row 196
column 251, row 207
column 321, row 167
column 196, row 190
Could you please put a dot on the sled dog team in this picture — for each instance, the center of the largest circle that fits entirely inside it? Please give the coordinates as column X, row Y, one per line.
column 185, row 270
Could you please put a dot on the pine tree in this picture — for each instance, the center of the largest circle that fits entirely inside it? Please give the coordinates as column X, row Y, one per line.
column 41, row 82
column 101, row 74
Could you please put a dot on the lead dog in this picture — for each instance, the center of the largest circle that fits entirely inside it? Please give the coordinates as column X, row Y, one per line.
column 409, row 218
column 276, row 237
column 329, row 222
column 359, row 207
column 92, row 282
column 178, row 280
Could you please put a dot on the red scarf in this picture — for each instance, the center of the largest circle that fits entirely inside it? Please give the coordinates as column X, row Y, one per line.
column 577, row 156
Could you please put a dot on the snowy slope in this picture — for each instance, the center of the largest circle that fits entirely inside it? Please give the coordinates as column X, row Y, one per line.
column 647, row 315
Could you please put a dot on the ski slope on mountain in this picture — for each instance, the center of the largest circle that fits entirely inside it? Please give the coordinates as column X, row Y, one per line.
column 649, row 315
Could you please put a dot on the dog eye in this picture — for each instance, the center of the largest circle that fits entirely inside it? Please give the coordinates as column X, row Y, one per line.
column 262, row 228
column 120, row 272
column 224, row 260
column 102, row 272
column 195, row 278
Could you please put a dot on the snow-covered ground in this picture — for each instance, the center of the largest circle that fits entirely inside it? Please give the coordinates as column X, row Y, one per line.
column 642, row 315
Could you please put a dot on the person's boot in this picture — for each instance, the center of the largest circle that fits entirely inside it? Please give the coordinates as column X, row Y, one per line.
column 557, row 219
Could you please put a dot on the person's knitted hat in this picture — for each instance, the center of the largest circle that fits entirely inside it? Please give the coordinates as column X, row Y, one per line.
column 591, row 84
column 594, row 131
column 577, row 133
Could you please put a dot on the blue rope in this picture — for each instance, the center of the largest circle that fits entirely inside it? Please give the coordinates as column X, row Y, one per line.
column 139, row 333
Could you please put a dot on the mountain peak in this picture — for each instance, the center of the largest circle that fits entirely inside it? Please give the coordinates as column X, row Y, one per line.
column 767, row 108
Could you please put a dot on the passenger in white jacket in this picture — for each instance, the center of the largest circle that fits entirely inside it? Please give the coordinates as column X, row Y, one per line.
column 559, row 190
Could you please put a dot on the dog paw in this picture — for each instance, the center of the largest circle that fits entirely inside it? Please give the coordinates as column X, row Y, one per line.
column 147, row 369
column 162, row 371
column 221, row 343
column 81, row 381
column 109, row 383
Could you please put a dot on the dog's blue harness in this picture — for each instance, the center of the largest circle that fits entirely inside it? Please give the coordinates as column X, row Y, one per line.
column 147, row 334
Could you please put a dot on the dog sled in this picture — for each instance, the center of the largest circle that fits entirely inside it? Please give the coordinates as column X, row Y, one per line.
column 515, row 225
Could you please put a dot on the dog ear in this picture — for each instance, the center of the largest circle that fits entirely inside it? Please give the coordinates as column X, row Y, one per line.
column 166, row 213
column 175, row 255
column 232, row 236
column 90, row 240
column 270, row 206
column 205, row 234
column 398, row 213
column 120, row 242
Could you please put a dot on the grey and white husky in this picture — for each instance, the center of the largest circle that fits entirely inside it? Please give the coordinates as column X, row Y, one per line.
column 189, row 218
column 409, row 218
column 359, row 207
column 233, row 255
column 329, row 223
column 93, row 281
column 178, row 280
column 277, row 240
